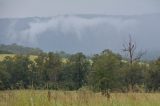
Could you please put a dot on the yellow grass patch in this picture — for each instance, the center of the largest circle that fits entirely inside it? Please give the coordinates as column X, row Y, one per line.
column 2, row 56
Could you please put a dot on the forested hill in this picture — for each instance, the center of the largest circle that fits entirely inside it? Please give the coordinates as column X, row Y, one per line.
column 5, row 52
column 17, row 49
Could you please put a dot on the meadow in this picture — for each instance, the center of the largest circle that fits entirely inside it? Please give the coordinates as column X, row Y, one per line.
column 75, row 98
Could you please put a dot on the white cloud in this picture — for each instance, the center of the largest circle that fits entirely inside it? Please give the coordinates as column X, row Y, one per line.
column 66, row 25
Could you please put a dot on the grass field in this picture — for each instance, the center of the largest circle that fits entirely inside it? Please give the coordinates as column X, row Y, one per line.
column 73, row 98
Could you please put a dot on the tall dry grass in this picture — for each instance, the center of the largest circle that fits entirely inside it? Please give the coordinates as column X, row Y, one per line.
column 76, row 98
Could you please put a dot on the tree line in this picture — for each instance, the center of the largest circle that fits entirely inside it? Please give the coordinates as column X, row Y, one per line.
column 107, row 71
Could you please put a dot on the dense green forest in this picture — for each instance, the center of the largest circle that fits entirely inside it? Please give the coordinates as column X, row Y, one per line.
column 106, row 71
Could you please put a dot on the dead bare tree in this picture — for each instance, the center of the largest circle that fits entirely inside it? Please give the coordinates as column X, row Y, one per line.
column 130, row 48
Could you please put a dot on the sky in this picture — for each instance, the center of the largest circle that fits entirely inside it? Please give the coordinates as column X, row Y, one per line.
column 32, row 8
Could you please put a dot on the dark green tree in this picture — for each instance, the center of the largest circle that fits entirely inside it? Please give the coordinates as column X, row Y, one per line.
column 105, row 71
column 53, row 66
column 4, row 77
column 153, row 80
column 39, row 72
column 74, row 74
column 19, row 69
column 134, row 75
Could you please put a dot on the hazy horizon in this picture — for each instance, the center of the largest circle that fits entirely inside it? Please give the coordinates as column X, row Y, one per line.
column 41, row 8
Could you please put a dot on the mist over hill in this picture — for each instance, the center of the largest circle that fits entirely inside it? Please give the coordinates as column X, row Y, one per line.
column 89, row 33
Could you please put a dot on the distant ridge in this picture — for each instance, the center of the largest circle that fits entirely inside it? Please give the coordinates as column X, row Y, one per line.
column 17, row 49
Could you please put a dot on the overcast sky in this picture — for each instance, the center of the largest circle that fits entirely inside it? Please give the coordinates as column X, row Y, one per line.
column 30, row 8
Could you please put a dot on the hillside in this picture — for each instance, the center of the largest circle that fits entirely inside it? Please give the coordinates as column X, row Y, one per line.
column 17, row 49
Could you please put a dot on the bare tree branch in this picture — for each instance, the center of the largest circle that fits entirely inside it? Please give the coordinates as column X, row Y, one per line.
column 130, row 48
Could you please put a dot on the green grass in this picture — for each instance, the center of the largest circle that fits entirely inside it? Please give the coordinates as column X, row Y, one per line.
column 73, row 98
